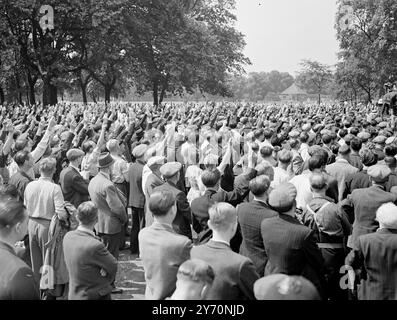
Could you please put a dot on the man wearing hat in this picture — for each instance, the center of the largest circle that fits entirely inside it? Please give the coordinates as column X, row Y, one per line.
column 137, row 198
column 74, row 187
column 365, row 203
column 291, row 247
column 171, row 174
column 111, row 211
column 283, row 287
column 375, row 258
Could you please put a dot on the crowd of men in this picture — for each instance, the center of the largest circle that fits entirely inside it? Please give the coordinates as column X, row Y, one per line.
column 221, row 201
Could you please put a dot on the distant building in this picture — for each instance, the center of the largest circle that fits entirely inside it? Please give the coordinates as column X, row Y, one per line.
column 294, row 93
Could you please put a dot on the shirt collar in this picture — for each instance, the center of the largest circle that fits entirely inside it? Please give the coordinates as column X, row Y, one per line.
column 220, row 241
column 84, row 229
column 74, row 167
column 106, row 175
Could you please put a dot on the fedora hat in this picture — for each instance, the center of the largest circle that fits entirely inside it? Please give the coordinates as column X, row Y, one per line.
column 105, row 160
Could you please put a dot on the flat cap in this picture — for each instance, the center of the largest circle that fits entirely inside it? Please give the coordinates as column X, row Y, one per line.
column 294, row 134
column 170, row 169
column 284, row 287
column 364, row 136
column 387, row 215
column 382, row 125
column 73, row 154
column 380, row 139
column 282, row 198
column 390, row 140
column 139, row 151
column 379, row 173
column 155, row 160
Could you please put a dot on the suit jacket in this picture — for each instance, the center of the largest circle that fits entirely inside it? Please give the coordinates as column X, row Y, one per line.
column 376, row 258
column 292, row 249
column 111, row 211
column 162, row 252
column 250, row 216
column 201, row 204
column 16, row 278
column 74, row 187
column 183, row 219
column 340, row 170
column 152, row 182
column 365, row 203
column 85, row 257
column 137, row 198
column 235, row 274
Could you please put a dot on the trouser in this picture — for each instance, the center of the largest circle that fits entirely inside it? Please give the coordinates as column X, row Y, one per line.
column 138, row 223
column 334, row 259
column 38, row 237
column 112, row 242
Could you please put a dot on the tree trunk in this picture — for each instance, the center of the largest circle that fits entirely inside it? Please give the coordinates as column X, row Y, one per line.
column 108, row 90
column 93, row 97
column 155, row 92
column 50, row 92
column 84, row 92
column 1, row 96
column 31, row 82
column 319, row 98
column 19, row 90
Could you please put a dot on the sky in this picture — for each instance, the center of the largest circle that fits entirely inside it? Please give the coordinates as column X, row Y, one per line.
column 280, row 33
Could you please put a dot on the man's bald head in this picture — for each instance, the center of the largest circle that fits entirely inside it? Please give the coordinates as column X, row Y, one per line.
column 318, row 182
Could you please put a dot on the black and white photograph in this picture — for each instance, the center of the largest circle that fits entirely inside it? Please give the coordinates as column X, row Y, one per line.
column 220, row 151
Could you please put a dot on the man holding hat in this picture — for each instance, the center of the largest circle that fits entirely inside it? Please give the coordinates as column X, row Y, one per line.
column 365, row 203
column 74, row 187
column 171, row 174
column 137, row 198
column 111, row 211
column 375, row 258
column 290, row 246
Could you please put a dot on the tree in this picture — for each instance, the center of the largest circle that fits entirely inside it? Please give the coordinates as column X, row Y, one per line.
column 367, row 33
column 180, row 46
column 314, row 77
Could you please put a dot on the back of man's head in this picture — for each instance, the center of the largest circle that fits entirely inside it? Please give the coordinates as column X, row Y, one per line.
column 47, row 166
column 259, row 185
column 161, row 202
column 210, row 178
column 223, row 216
column 316, row 162
column 284, row 156
column 21, row 157
column 318, row 182
column 87, row 213
column 196, row 270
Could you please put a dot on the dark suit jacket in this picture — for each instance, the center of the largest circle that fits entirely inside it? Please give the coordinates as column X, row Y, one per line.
column 85, row 256
column 292, row 249
column 250, row 217
column 376, row 258
column 111, row 211
column 235, row 274
column 183, row 217
column 365, row 203
column 16, row 278
column 137, row 198
column 74, row 187
column 162, row 252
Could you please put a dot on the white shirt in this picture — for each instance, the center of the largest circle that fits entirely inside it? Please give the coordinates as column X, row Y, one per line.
column 302, row 185
column 304, row 152
column 120, row 170
column 145, row 175
column 280, row 176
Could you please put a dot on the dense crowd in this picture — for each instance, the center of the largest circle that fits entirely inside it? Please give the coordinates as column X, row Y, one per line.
column 222, row 201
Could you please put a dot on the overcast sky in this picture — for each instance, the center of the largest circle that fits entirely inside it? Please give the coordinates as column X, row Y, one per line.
column 280, row 33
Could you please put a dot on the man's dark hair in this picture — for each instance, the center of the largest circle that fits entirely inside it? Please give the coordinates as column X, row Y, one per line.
column 391, row 150
column 21, row 157
column 210, row 178
column 87, row 213
column 12, row 211
column 268, row 133
column 342, row 133
column 316, row 162
column 326, row 139
column 266, row 151
column 304, row 137
column 356, row 144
